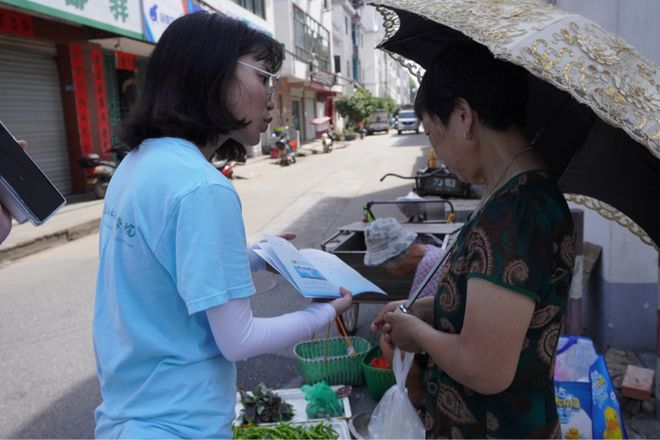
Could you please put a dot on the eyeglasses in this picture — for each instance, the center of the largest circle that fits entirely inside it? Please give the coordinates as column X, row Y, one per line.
column 272, row 79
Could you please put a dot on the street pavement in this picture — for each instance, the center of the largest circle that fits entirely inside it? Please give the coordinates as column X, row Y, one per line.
column 47, row 273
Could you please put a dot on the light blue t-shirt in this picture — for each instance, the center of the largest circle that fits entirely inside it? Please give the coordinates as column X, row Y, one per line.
column 172, row 244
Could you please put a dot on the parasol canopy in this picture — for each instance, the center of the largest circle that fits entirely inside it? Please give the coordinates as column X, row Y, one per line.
column 594, row 102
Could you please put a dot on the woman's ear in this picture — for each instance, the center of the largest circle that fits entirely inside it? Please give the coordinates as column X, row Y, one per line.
column 467, row 117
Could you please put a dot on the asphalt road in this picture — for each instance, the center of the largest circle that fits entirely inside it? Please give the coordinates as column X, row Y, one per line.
column 49, row 387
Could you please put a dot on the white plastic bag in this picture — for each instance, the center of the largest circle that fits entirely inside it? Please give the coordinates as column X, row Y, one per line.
column 395, row 416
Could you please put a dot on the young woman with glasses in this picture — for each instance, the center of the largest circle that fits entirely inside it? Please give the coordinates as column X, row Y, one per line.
column 172, row 310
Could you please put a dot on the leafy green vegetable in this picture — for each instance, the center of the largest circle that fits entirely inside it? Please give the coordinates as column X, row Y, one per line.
column 285, row 431
column 264, row 406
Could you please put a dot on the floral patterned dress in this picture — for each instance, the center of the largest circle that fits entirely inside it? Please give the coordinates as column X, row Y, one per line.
column 523, row 240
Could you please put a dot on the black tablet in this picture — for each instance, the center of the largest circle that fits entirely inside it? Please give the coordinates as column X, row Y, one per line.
column 24, row 189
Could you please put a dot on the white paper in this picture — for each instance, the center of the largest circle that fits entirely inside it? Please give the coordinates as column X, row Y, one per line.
column 314, row 273
column 339, row 273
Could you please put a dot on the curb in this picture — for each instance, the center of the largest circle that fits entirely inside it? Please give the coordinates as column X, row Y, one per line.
column 48, row 241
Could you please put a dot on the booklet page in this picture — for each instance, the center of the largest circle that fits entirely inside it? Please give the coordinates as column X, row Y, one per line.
column 295, row 267
column 340, row 273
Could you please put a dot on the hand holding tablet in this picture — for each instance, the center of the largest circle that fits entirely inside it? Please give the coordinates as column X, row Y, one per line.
column 25, row 192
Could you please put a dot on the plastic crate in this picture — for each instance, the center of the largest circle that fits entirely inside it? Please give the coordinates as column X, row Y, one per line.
column 378, row 380
column 327, row 359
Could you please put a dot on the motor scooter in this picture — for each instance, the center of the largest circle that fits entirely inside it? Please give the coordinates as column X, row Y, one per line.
column 99, row 171
column 324, row 132
column 225, row 166
column 283, row 143
column 327, row 140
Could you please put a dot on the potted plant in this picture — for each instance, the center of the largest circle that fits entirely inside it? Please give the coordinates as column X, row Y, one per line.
column 349, row 134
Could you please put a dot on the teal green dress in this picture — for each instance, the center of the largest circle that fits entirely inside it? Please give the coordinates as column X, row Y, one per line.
column 523, row 240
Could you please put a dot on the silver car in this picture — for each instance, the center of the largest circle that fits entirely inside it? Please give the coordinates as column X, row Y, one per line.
column 407, row 121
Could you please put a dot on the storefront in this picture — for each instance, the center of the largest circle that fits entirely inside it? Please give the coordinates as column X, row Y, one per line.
column 298, row 102
column 69, row 73
column 32, row 103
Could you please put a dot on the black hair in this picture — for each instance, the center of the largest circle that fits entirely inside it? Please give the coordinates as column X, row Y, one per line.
column 188, row 74
column 495, row 89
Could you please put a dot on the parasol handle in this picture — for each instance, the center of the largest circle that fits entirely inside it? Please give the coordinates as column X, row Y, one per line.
column 405, row 307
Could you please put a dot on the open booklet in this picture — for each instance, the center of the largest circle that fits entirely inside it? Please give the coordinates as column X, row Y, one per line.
column 314, row 273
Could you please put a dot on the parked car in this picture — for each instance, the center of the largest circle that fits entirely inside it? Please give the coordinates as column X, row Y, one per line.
column 379, row 120
column 407, row 121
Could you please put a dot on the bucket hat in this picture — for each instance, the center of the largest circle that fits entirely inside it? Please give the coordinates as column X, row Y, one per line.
column 385, row 238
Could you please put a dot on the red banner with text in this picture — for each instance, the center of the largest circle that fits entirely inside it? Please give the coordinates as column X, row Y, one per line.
column 12, row 22
column 101, row 98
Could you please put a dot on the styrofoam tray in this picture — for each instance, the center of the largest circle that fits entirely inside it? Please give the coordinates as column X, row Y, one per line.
column 296, row 398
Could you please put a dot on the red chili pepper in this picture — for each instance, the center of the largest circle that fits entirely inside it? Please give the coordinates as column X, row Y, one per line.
column 379, row 362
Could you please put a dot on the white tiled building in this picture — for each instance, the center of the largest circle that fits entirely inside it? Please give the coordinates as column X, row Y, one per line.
column 382, row 75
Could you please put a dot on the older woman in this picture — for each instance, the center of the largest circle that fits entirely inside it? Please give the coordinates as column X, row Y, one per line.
column 491, row 331
column 401, row 253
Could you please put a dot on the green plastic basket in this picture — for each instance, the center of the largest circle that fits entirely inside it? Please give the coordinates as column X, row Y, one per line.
column 327, row 359
column 378, row 379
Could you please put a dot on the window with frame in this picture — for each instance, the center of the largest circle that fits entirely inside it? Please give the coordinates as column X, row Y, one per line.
column 311, row 39
column 255, row 6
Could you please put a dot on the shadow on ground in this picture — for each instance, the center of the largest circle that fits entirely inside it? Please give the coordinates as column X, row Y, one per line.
column 70, row 417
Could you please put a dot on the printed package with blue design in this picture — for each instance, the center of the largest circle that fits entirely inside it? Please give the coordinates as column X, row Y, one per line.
column 585, row 397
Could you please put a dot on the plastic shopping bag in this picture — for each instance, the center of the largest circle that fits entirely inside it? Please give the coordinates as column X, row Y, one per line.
column 395, row 416
column 586, row 402
column 322, row 401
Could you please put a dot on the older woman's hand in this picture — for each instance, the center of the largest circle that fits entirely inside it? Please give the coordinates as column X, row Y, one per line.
column 379, row 320
column 400, row 330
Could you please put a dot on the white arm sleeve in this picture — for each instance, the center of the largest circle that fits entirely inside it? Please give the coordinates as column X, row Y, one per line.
column 239, row 335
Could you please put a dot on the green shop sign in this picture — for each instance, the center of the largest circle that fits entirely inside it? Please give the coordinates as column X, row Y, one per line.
column 119, row 16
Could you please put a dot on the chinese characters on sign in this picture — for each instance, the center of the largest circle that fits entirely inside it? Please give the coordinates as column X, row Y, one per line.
column 122, row 16
column 158, row 14
column 15, row 23
column 101, row 101
column 125, row 61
